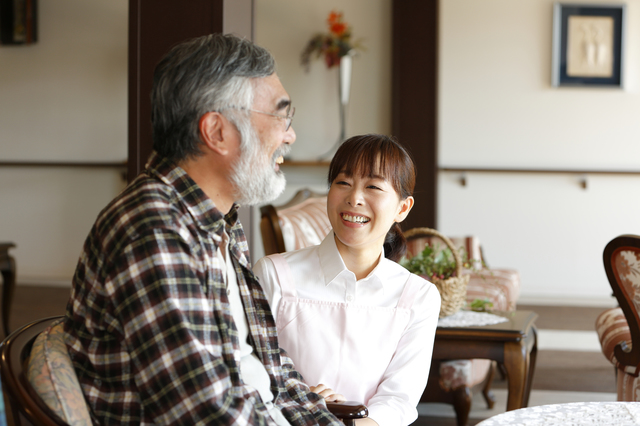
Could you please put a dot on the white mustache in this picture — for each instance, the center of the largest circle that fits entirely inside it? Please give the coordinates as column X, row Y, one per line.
column 281, row 152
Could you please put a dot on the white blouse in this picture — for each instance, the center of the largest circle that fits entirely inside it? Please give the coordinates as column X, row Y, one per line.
column 319, row 273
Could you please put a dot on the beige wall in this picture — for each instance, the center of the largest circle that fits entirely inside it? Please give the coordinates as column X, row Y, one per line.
column 285, row 26
column 65, row 99
column 62, row 99
column 498, row 109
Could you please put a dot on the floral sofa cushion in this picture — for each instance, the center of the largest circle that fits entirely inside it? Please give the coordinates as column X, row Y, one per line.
column 627, row 263
column 50, row 371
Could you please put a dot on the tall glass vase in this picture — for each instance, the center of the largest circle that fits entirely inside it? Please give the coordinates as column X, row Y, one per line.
column 344, row 88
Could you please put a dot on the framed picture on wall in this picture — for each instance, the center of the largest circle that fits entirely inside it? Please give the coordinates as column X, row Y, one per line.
column 18, row 22
column 588, row 45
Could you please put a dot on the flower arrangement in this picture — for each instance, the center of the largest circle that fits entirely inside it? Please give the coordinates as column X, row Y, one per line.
column 333, row 45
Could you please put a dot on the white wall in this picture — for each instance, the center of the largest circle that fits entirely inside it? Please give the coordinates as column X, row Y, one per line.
column 62, row 99
column 285, row 26
column 497, row 109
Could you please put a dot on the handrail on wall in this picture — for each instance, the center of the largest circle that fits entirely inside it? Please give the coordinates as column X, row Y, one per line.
column 583, row 173
column 72, row 164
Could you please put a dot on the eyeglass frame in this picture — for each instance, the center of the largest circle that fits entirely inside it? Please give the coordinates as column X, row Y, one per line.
column 291, row 110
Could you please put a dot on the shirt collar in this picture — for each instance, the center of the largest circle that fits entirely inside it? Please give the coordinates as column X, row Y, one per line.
column 333, row 266
column 201, row 207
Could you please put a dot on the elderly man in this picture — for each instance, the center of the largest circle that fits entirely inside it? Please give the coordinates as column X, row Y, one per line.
column 166, row 323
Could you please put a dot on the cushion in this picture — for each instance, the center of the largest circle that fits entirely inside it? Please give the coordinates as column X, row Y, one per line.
column 500, row 286
column 613, row 329
column 51, row 373
column 627, row 264
column 304, row 224
column 628, row 387
column 463, row 372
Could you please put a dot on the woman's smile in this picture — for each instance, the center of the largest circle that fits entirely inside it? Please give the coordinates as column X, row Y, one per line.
column 354, row 218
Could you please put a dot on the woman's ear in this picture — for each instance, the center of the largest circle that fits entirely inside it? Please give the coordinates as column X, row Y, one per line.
column 214, row 132
column 405, row 207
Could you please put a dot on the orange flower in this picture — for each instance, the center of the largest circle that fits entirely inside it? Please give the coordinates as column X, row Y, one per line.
column 338, row 28
column 333, row 45
column 334, row 17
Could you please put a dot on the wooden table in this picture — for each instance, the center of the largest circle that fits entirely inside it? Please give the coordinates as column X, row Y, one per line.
column 8, row 269
column 512, row 343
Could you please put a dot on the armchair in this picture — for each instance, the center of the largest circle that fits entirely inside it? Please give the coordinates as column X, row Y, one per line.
column 29, row 381
column 619, row 328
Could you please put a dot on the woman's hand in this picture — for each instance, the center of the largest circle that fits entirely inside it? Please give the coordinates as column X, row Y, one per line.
column 327, row 393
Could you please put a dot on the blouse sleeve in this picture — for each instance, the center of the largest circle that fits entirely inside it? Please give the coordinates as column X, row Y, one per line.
column 266, row 273
column 405, row 379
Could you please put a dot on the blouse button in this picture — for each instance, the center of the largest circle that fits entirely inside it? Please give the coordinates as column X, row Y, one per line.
column 349, row 298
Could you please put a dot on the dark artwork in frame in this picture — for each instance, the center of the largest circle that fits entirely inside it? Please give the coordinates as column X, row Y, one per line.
column 588, row 43
column 18, row 22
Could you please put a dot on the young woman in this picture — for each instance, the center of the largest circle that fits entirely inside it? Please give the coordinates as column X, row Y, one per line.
column 348, row 315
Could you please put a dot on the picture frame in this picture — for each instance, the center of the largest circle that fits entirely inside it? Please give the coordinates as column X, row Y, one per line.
column 588, row 45
column 18, row 22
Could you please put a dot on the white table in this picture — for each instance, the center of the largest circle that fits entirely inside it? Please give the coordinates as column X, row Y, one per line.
column 575, row 413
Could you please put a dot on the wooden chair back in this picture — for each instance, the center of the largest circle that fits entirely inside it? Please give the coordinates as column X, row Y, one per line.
column 622, row 264
column 14, row 357
column 299, row 223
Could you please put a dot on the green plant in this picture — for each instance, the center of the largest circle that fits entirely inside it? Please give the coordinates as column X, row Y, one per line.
column 481, row 305
column 432, row 262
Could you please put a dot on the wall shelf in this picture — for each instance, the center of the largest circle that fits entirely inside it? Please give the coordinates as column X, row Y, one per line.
column 305, row 163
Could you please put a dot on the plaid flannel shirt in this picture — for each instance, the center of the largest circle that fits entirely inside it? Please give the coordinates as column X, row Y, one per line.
column 149, row 326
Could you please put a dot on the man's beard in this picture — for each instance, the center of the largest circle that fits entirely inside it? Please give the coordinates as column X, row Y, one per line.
column 254, row 176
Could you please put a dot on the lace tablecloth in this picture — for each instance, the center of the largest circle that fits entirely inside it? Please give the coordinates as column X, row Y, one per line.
column 470, row 318
column 576, row 413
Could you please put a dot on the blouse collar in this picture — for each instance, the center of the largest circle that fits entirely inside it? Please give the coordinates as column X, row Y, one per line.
column 333, row 266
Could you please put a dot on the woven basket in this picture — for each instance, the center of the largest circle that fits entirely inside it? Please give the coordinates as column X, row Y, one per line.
column 453, row 290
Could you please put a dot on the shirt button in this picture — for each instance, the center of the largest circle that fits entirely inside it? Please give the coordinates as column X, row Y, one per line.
column 349, row 298
column 228, row 291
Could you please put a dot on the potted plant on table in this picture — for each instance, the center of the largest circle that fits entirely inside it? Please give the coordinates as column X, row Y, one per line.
column 443, row 266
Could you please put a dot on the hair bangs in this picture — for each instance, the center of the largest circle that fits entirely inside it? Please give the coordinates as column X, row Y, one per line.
column 375, row 156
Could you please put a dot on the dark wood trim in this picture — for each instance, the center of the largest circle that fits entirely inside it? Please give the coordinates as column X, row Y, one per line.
column 415, row 99
column 155, row 26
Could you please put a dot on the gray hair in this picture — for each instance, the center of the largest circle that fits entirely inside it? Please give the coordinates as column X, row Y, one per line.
column 209, row 73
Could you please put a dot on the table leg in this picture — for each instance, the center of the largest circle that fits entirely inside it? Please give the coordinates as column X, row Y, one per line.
column 516, row 362
column 532, row 365
column 8, row 286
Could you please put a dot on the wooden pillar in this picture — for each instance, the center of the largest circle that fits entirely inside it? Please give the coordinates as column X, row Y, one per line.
column 155, row 26
column 415, row 99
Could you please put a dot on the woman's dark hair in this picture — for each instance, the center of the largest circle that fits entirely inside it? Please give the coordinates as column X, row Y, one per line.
column 372, row 154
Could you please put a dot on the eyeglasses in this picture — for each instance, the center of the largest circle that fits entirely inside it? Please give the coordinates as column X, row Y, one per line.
column 288, row 118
